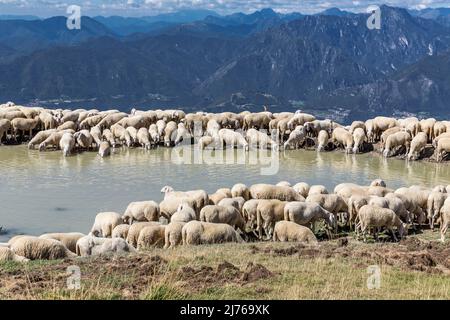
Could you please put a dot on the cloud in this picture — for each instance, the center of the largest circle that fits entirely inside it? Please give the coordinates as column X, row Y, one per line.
column 151, row 7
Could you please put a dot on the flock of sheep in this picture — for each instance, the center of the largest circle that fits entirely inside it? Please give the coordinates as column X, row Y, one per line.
column 279, row 212
column 71, row 130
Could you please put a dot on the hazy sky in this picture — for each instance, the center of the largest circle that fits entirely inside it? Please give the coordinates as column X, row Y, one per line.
column 153, row 7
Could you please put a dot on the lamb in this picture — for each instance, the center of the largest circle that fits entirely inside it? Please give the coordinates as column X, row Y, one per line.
column 104, row 224
column 151, row 236
column 221, row 214
column 172, row 234
column 240, row 190
column 67, row 143
column 291, row 231
column 141, row 211
column 184, row 214
column 268, row 212
column 197, row 233
column 120, row 231
column 135, row 230
column 6, row 254
column 68, row 239
column 267, row 191
column 34, row 248
column 374, row 216
column 91, row 246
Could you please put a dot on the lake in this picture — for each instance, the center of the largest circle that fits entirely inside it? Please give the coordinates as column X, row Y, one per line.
column 45, row 192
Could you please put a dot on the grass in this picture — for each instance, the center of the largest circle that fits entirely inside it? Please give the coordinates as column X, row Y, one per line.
column 262, row 270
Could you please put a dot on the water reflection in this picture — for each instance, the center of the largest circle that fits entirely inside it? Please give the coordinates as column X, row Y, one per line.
column 43, row 191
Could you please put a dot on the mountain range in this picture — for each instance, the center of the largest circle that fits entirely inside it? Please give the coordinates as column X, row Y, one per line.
column 328, row 63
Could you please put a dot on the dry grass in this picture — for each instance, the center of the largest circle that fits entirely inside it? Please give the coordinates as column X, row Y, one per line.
column 410, row 270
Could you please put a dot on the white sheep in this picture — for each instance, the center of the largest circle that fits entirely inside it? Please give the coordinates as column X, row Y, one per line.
column 104, row 224
column 141, row 211
column 6, row 254
column 291, row 231
column 196, row 233
column 172, row 234
column 373, row 216
column 151, row 236
column 223, row 214
column 120, row 231
column 91, row 246
column 68, row 239
column 34, row 248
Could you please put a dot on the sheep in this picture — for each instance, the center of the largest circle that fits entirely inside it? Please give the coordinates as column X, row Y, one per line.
column 268, row 212
column 427, row 126
column 317, row 189
column 435, row 202
column 5, row 125
column 381, row 124
column 68, row 239
column 67, row 125
column 223, row 214
column 397, row 205
column 359, row 137
column 259, row 139
column 141, row 211
column 378, row 183
column 340, row 136
column 445, row 219
column 299, row 119
column 216, row 197
column 133, row 134
column 151, row 236
column 135, row 229
column 83, row 139
column 291, row 231
column 374, row 216
column 387, row 133
column 91, row 121
column 170, row 205
column 6, row 254
column 111, row 119
column 67, row 143
column 236, row 202
column 232, row 139
column 104, row 224
column 301, row 188
column 357, row 124
column 200, row 197
column 322, row 140
column 120, row 231
column 305, row 213
column 249, row 212
column 442, row 149
column 267, row 191
column 104, row 149
column 240, row 190
column 184, row 214
column 20, row 124
column 91, row 246
column 330, row 202
column 143, row 138
column 172, row 234
column 96, row 135
column 296, row 138
column 34, row 248
column 154, row 134
column 395, row 141
column 40, row 137
column 418, row 144
column 196, row 233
